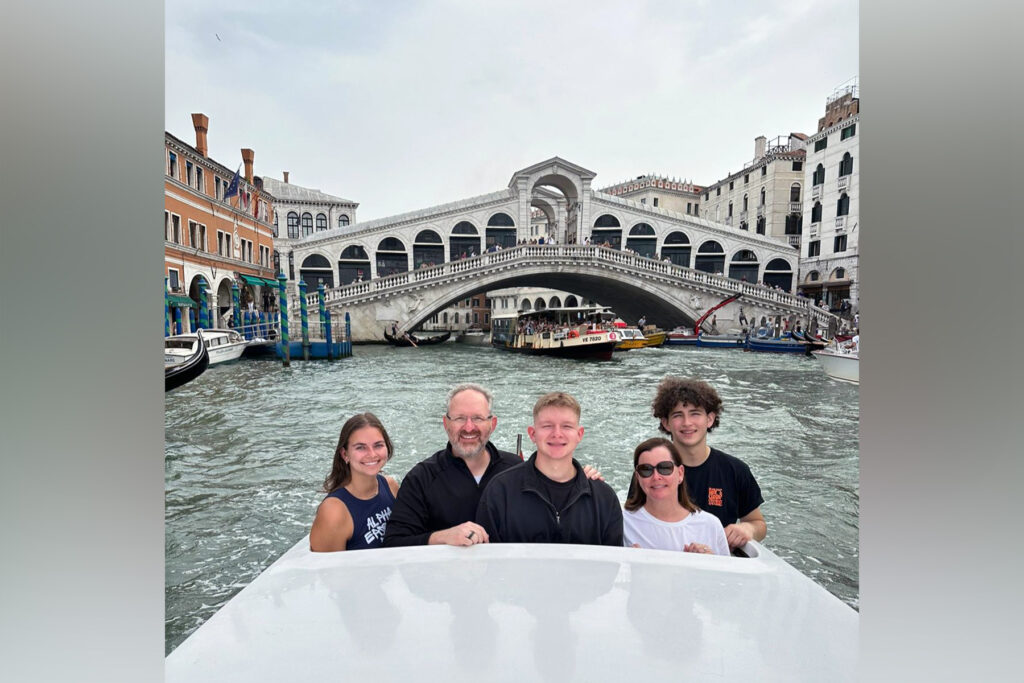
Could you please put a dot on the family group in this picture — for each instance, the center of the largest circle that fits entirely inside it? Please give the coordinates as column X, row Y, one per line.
column 683, row 495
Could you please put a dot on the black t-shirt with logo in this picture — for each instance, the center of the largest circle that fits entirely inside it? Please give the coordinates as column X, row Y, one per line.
column 723, row 486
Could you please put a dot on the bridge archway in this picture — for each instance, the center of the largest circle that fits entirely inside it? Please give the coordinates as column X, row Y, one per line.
column 427, row 249
column 315, row 269
column 353, row 265
column 392, row 257
column 710, row 257
column 643, row 240
column 464, row 241
column 607, row 228
column 779, row 272
column 501, row 231
column 744, row 266
column 677, row 248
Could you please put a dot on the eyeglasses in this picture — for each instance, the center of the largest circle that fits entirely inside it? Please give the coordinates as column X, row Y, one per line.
column 462, row 419
column 665, row 468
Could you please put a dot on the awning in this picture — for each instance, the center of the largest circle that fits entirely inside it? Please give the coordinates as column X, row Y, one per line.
column 180, row 300
column 249, row 279
column 272, row 283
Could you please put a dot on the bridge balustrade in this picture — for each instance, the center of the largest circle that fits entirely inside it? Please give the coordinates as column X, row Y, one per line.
column 569, row 253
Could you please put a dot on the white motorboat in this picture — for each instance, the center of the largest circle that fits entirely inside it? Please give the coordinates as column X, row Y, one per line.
column 223, row 345
column 524, row 612
column 840, row 363
column 475, row 336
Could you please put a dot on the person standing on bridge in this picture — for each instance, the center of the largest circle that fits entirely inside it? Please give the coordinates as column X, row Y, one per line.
column 688, row 410
column 438, row 498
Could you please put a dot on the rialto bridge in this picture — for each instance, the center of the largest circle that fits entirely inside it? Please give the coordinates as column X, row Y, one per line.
column 665, row 265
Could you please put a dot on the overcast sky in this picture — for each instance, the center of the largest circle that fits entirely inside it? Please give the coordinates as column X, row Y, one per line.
column 405, row 104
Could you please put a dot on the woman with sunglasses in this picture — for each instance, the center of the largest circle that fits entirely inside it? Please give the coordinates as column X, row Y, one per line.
column 358, row 505
column 659, row 513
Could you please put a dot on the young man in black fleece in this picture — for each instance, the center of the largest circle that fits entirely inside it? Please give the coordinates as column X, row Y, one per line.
column 548, row 498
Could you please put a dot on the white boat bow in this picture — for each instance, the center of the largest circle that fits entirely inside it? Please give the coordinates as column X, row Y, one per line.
column 523, row 612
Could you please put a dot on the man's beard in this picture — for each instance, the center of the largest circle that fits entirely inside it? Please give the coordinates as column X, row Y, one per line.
column 468, row 453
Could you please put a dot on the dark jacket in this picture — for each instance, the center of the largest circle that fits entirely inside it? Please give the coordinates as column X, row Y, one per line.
column 439, row 493
column 515, row 509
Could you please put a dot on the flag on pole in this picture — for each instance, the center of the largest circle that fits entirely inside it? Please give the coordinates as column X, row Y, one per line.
column 233, row 187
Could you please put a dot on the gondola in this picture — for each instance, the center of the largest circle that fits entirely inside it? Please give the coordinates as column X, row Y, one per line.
column 404, row 340
column 178, row 373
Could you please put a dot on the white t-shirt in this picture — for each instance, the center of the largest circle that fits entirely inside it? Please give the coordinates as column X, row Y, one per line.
column 642, row 528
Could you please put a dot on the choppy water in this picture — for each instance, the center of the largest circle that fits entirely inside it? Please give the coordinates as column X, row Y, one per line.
column 248, row 445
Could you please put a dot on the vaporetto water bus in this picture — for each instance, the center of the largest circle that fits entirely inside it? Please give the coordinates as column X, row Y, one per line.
column 569, row 332
column 524, row 612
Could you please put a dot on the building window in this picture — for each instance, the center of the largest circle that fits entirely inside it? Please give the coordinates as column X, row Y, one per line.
column 172, row 165
column 321, row 222
column 762, row 197
column 798, row 165
column 760, row 225
column 744, row 202
column 655, row 201
column 843, row 205
column 730, row 184
column 764, row 171
column 293, row 224
column 814, row 248
column 200, row 184
column 816, row 212
column 846, row 165
column 818, row 176
column 794, row 224
column 342, row 221
column 820, row 144
column 173, row 280
column 840, row 244
column 794, row 192
column 217, row 191
column 307, row 223
column 643, row 200
column 746, row 179
column 707, row 195
column 718, row 191
column 840, row 273
column 848, row 132
column 223, row 244
column 688, row 204
column 188, row 173
column 730, row 209
column 744, row 225
column 174, row 234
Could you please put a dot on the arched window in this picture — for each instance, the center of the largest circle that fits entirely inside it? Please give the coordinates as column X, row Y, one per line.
column 642, row 240
column 745, row 202
column 316, row 270
column 353, row 265
column 779, row 272
column 794, row 192
column 555, row 302
column 427, row 249
column 843, row 205
column 607, row 221
column 607, row 229
column 293, row 224
column 464, row 241
column 730, row 210
column 743, row 266
column 677, row 248
column 525, row 305
column 760, row 225
column 342, row 220
column 540, row 304
column 391, row 257
column 275, row 224
column 819, row 175
column 321, row 222
column 500, row 231
column 571, row 302
column 846, row 165
column 501, row 219
column 762, row 197
column 816, row 212
column 307, row 223
column 710, row 257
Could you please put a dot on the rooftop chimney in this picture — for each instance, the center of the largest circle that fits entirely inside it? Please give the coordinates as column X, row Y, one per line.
column 759, row 143
column 247, row 155
column 200, row 122
column 285, row 176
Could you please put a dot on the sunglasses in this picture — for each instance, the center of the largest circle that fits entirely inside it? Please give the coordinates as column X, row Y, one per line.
column 665, row 468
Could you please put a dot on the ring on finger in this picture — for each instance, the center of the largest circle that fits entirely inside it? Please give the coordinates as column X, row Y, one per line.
column 470, row 535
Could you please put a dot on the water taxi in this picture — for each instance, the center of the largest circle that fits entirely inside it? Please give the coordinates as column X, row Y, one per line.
column 223, row 345
column 524, row 612
column 571, row 332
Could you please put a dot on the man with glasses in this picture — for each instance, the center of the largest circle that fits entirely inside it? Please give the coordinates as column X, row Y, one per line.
column 437, row 499
column 718, row 483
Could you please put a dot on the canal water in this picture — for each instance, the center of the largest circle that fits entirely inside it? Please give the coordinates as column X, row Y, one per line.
column 249, row 443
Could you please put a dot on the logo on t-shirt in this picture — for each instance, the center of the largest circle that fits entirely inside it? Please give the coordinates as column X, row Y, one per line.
column 376, row 524
column 715, row 497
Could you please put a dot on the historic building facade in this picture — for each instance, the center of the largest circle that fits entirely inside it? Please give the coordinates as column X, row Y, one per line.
column 211, row 242
column 681, row 196
column 829, row 254
column 766, row 196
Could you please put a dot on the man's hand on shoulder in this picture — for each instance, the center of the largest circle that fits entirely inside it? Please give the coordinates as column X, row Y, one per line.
column 467, row 533
column 590, row 472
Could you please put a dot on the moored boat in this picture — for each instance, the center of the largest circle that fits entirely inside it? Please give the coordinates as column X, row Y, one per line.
column 630, row 338
column 654, row 338
column 508, row 611
column 681, row 336
column 840, row 363
column 179, row 370
column 721, row 341
column 761, row 341
column 571, row 332
column 223, row 345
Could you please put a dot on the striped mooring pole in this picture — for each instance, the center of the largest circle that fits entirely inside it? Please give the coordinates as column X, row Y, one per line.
column 282, row 282
column 177, row 320
column 236, row 310
column 167, row 310
column 304, row 319
column 323, row 319
column 330, row 337
column 204, row 307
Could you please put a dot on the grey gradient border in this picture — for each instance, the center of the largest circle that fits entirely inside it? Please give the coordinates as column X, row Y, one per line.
column 82, row 478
